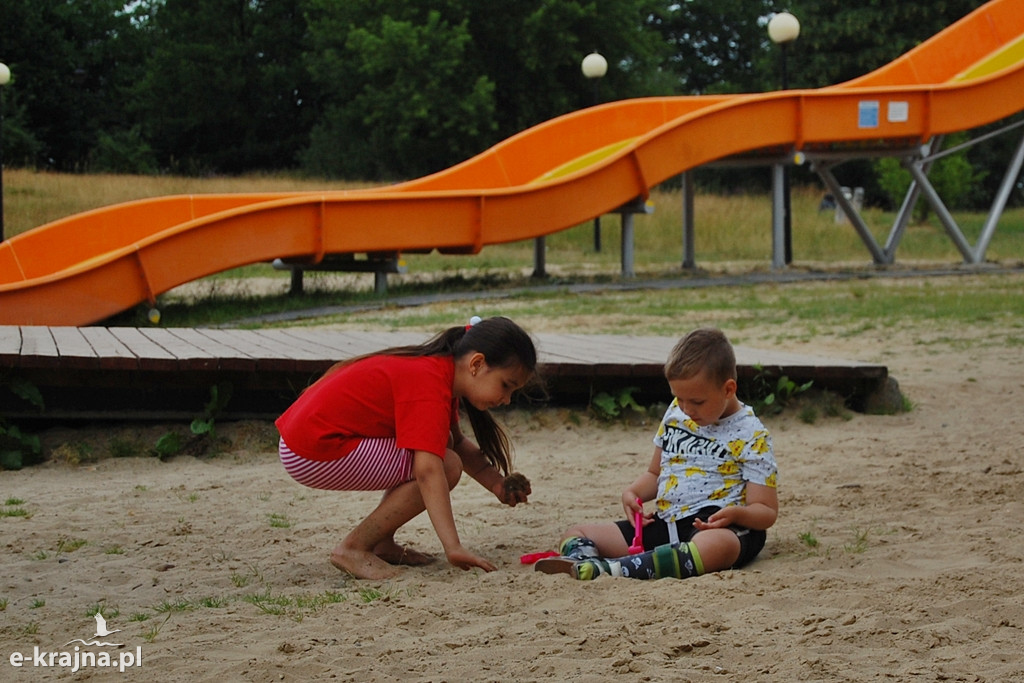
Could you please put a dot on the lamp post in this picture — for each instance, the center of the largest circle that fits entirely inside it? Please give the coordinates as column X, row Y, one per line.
column 783, row 29
column 5, row 78
column 594, row 67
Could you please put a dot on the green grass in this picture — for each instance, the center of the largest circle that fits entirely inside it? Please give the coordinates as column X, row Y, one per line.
column 950, row 306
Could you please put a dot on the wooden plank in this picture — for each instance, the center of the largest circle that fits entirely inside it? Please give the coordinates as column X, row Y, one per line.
column 75, row 351
column 587, row 358
column 282, row 347
column 303, row 345
column 188, row 354
column 324, row 343
column 349, row 343
column 10, row 345
column 243, row 342
column 218, row 347
column 616, row 349
column 150, row 355
column 38, row 350
column 113, row 354
column 270, row 357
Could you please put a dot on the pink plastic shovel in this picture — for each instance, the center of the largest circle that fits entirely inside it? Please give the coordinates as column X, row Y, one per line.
column 638, row 535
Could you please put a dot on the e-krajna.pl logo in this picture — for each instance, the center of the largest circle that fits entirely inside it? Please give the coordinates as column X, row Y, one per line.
column 78, row 658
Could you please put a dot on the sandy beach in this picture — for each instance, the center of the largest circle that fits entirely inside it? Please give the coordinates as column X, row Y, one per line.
column 896, row 556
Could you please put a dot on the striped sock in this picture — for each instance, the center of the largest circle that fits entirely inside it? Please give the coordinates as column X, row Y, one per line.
column 590, row 569
column 664, row 562
column 578, row 548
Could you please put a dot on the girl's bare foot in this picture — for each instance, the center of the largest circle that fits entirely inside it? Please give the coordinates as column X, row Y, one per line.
column 362, row 564
column 392, row 553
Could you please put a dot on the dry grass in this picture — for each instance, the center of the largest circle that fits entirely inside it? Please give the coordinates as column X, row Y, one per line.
column 33, row 198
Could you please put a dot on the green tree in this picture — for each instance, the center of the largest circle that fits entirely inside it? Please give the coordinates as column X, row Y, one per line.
column 532, row 50
column 717, row 46
column 415, row 87
column 72, row 63
column 225, row 88
column 403, row 98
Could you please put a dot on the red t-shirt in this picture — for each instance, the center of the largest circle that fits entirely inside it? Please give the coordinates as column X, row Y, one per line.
column 405, row 397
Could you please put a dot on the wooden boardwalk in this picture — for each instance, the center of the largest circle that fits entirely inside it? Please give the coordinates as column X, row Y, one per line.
column 160, row 373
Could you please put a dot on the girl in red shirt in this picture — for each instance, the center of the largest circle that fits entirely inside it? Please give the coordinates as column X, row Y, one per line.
column 389, row 421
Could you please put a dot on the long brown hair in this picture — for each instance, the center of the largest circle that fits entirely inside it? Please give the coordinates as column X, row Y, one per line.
column 503, row 344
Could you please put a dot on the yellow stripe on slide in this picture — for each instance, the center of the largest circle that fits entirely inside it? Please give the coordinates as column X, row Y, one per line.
column 583, row 161
column 1009, row 55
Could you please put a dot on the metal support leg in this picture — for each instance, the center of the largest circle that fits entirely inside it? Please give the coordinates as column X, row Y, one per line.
column 994, row 214
column 539, row 247
column 778, row 218
column 952, row 229
column 627, row 245
column 296, row 286
column 906, row 212
column 825, row 173
column 689, row 250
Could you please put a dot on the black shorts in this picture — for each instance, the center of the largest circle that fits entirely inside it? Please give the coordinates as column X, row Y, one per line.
column 656, row 533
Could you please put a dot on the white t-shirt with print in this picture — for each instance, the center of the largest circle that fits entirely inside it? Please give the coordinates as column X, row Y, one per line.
column 710, row 466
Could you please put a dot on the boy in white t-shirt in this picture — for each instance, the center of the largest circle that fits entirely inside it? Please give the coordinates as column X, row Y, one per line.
column 712, row 479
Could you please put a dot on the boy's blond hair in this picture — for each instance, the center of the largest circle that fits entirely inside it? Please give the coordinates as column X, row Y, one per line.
column 702, row 350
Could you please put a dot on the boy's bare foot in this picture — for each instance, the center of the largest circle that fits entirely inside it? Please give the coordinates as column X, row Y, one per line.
column 392, row 553
column 362, row 564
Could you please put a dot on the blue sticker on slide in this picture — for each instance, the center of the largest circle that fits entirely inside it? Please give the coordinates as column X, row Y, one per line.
column 867, row 114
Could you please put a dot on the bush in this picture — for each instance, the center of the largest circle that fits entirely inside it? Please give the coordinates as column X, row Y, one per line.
column 123, row 152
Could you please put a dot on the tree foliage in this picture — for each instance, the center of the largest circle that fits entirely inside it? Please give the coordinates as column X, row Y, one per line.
column 224, row 84
column 717, row 46
column 401, row 95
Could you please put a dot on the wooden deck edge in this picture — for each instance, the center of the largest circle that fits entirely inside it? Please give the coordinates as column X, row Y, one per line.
column 104, row 394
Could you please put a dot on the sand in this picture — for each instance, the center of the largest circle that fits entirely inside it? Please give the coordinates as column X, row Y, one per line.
column 897, row 554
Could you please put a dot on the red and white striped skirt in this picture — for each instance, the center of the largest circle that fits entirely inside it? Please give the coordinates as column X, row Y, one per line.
column 376, row 464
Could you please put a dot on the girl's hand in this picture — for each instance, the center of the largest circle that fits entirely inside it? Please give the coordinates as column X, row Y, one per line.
column 464, row 560
column 513, row 489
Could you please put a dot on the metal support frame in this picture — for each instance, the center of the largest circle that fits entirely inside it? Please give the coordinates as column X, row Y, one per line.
column 918, row 163
column 824, row 170
column 380, row 264
column 626, row 213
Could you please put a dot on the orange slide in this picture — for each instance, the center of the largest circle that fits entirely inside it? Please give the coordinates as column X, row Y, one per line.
column 84, row 268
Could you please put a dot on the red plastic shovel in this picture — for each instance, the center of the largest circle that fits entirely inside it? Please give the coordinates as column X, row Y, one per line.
column 638, row 534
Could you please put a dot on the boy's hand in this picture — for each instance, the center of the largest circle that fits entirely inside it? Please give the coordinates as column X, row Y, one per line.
column 720, row 520
column 631, row 505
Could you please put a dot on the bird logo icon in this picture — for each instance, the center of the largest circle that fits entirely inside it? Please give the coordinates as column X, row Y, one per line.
column 101, row 632
column 101, row 627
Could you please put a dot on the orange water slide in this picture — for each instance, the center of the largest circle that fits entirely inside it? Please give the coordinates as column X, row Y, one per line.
column 84, row 268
